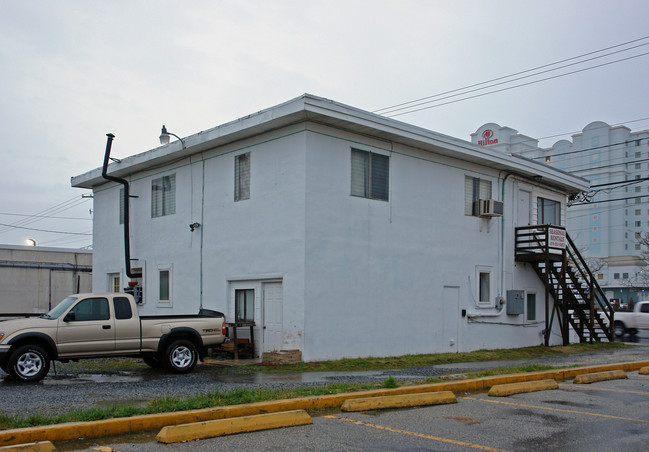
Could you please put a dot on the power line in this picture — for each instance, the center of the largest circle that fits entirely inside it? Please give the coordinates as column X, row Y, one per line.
column 44, row 216
column 515, row 86
column 510, row 75
column 44, row 230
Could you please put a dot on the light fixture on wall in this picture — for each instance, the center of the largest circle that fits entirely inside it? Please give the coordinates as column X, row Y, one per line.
column 31, row 242
column 165, row 136
column 194, row 226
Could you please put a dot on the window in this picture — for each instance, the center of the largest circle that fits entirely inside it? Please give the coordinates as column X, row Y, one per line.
column 644, row 307
column 637, row 155
column 637, row 211
column 242, row 177
column 370, row 175
column 122, row 308
column 113, row 282
column 474, row 190
column 616, row 276
column 165, row 284
column 549, row 211
column 625, row 275
column 531, row 306
column 91, row 309
column 484, row 296
column 163, row 196
column 244, row 305
column 637, row 189
column 638, row 166
column 637, row 224
column 600, row 276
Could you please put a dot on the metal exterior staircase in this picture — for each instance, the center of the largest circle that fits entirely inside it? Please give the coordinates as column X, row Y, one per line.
column 579, row 302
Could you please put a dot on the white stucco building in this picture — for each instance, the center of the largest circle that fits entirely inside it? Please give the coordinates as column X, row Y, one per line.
column 339, row 232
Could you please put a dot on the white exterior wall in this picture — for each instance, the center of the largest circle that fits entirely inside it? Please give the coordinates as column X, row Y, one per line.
column 378, row 272
column 245, row 243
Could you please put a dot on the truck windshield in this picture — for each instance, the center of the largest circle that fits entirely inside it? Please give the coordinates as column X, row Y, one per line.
column 60, row 308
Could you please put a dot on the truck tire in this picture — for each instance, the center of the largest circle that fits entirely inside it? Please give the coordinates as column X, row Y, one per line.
column 619, row 329
column 181, row 356
column 29, row 363
column 152, row 361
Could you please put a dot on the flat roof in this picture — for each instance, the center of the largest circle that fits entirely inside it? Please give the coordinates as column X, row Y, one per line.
column 324, row 111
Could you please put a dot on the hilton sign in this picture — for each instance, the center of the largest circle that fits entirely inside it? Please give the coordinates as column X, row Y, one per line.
column 487, row 138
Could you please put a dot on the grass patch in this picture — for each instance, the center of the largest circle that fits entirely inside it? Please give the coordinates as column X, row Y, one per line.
column 408, row 361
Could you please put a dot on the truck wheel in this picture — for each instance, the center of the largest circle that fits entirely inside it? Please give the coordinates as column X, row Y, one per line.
column 28, row 363
column 619, row 329
column 181, row 356
column 152, row 361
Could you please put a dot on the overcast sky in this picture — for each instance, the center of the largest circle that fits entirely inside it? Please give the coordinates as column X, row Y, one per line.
column 72, row 71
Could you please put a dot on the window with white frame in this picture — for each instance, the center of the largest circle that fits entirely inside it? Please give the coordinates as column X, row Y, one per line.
column 548, row 211
column 531, row 306
column 474, row 190
column 370, row 175
column 483, row 284
column 164, row 284
column 242, row 177
column 163, row 196
column 244, row 305
column 114, row 282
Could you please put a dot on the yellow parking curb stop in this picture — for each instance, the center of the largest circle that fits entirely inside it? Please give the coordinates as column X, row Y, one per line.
column 525, row 386
column 220, row 427
column 644, row 371
column 41, row 446
column 600, row 376
column 399, row 401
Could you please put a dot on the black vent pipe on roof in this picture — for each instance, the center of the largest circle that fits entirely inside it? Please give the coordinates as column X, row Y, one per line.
column 124, row 182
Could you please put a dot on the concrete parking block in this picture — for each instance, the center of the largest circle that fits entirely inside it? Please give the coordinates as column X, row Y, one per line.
column 644, row 371
column 399, row 401
column 42, row 446
column 209, row 429
column 525, row 386
column 600, row 376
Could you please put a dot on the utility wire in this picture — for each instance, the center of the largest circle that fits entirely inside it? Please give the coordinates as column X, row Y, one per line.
column 511, row 75
column 511, row 87
column 45, row 230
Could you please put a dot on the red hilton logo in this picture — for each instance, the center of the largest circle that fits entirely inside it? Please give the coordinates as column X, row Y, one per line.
column 487, row 138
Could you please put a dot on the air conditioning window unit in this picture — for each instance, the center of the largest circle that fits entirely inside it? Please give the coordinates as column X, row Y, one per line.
column 491, row 208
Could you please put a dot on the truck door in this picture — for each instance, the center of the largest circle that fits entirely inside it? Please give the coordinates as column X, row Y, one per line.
column 86, row 328
column 643, row 317
column 127, row 326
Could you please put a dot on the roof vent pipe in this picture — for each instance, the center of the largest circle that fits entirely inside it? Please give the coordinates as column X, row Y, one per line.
column 127, row 241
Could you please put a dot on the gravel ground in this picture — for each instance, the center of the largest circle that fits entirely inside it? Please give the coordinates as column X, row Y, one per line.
column 101, row 383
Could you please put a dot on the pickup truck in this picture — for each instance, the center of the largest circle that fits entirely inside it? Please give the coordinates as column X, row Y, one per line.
column 632, row 321
column 106, row 325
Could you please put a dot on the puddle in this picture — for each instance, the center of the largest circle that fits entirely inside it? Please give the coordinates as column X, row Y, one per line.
column 306, row 377
column 89, row 378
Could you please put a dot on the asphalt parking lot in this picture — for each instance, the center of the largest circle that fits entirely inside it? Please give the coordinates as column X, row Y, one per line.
column 608, row 415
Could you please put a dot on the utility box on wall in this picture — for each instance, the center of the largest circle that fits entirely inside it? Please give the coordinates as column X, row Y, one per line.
column 515, row 302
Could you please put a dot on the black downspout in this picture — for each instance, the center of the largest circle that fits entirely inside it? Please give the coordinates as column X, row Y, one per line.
column 127, row 241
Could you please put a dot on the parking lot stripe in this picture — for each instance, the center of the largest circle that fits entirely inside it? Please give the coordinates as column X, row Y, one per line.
column 590, row 388
column 608, row 416
column 419, row 435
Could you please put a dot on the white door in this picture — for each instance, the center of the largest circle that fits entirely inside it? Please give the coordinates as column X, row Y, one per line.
column 524, row 208
column 273, row 326
column 450, row 318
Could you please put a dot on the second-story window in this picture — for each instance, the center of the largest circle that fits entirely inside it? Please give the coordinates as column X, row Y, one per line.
column 163, row 196
column 370, row 175
column 548, row 212
column 474, row 190
column 242, row 177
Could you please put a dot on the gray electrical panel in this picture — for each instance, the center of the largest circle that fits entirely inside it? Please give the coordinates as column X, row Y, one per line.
column 515, row 302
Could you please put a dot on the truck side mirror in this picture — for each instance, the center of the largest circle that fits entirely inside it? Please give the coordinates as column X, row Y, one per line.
column 69, row 317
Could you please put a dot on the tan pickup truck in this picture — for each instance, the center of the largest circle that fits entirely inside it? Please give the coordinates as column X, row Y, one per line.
column 106, row 325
